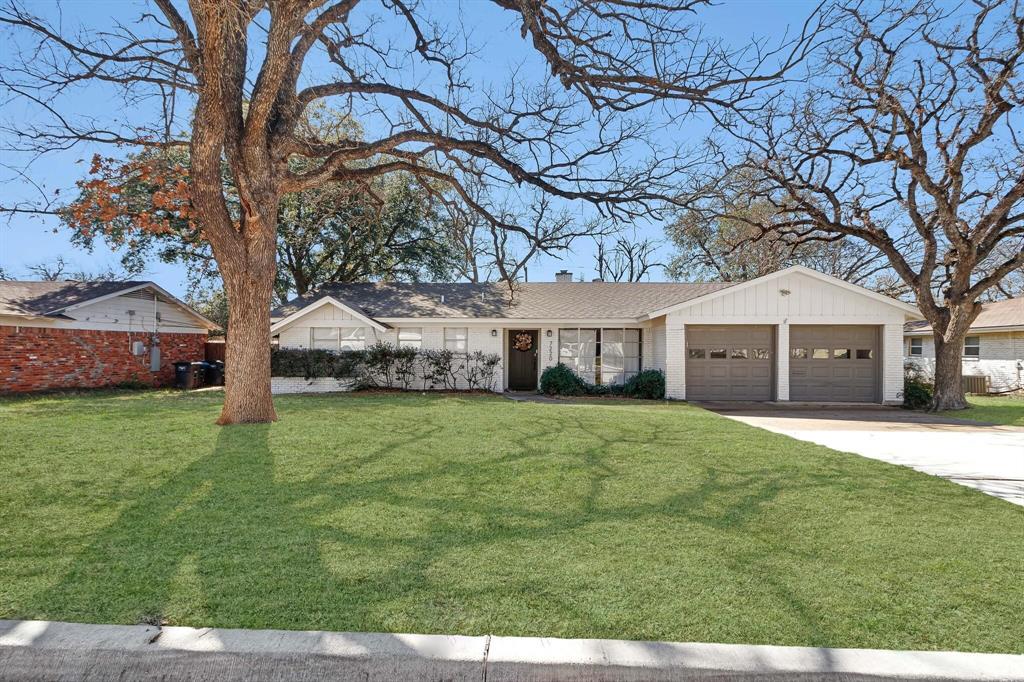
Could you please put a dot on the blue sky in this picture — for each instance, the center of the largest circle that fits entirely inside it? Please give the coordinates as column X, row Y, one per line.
column 27, row 240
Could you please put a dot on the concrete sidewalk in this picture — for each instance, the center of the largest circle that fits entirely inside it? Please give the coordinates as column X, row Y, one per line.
column 42, row 650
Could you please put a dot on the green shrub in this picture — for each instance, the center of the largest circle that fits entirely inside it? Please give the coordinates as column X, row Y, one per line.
column 315, row 364
column 917, row 389
column 560, row 380
column 648, row 384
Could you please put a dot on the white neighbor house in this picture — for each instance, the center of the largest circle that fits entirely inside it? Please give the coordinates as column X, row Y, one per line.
column 793, row 335
column 994, row 346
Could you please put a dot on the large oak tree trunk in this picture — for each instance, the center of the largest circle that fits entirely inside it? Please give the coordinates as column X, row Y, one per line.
column 949, row 390
column 949, row 335
column 249, row 287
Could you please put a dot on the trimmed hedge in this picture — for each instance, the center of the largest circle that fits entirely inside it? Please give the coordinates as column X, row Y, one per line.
column 315, row 364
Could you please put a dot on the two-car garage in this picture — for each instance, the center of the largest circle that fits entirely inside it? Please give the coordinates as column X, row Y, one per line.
column 827, row 363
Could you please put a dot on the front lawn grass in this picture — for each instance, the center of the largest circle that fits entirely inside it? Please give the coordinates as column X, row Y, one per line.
column 447, row 514
column 1007, row 410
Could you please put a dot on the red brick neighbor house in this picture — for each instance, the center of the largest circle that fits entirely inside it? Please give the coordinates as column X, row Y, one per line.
column 56, row 335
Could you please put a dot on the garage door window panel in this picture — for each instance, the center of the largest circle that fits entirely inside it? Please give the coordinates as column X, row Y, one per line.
column 820, row 354
column 739, row 354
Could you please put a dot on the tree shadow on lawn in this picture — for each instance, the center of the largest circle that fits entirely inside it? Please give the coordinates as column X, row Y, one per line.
column 466, row 545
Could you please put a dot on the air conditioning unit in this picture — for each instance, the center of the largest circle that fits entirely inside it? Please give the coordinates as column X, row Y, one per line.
column 976, row 384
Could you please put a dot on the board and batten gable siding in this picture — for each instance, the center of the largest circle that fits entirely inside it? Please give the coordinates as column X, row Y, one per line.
column 113, row 314
column 790, row 299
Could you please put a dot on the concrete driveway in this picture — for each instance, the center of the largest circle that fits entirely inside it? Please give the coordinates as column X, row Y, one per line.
column 988, row 458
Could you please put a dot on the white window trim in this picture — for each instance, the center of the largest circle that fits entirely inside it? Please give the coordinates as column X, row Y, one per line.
column 598, row 357
column 338, row 337
column 464, row 339
column 976, row 356
column 919, row 348
column 418, row 344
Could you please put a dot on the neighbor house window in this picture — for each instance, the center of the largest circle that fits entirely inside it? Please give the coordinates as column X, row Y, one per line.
column 456, row 339
column 337, row 338
column 972, row 347
column 917, row 346
column 410, row 337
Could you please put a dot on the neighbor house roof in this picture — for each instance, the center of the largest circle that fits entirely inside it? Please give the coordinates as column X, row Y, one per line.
column 46, row 299
column 999, row 316
column 533, row 300
column 55, row 299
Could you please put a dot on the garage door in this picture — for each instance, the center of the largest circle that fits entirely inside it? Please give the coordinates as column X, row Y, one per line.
column 729, row 363
column 836, row 363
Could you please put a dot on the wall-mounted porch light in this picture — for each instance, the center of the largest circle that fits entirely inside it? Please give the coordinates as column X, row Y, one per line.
column 494, row 332
column 548, row 333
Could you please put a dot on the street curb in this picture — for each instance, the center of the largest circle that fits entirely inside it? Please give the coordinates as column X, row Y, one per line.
column 44, row 650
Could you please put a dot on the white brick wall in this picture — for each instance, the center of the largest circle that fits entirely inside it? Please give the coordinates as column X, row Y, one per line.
column 675, row 357
column 782, row 362
column 657, row 335
column 1001, row 359
column 892, row 363
column 283, row 385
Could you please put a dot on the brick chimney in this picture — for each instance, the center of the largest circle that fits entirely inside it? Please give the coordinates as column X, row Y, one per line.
column 563, row 276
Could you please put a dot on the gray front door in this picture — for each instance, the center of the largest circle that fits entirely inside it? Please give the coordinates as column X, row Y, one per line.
column 834, row 363
column 729, row 362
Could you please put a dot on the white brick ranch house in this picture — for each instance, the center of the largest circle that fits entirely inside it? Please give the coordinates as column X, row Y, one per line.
column 793, row 335
column 994, row 347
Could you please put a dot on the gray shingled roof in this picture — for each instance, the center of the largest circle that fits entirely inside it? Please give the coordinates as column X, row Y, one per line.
column 1009, row 313
column 534, row 300
column 50, row 298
